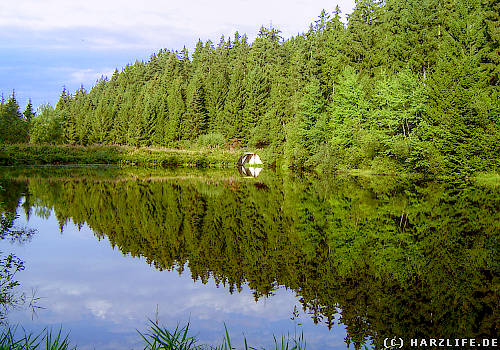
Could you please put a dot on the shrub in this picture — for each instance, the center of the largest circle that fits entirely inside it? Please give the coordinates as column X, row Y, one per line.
column 212, row 140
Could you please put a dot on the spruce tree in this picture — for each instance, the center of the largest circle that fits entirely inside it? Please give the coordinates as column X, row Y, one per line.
column 176, row 110
column 195, row 120
column 364, row 36
column 14, row 126
column 458, row 112
column 28, row 112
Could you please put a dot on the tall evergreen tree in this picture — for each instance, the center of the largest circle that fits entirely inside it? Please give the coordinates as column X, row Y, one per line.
column 195, row 120
column 14, row 127
column 364, row 36
column 28, row 112
column 176, row 109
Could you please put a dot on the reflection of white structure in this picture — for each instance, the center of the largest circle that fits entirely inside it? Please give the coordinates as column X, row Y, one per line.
column 255, row 171
column 249, row 172
column 249, row 158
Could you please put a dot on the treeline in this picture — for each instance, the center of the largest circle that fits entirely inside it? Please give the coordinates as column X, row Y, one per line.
column 370, row 250
column 404, row 85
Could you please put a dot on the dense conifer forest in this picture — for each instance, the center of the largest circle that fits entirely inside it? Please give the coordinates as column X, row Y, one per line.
column 405, row 85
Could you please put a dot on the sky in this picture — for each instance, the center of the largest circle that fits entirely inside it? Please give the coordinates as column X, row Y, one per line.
column 51, row 44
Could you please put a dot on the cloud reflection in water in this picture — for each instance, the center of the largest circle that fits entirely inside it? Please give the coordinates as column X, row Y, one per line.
column 102, row 296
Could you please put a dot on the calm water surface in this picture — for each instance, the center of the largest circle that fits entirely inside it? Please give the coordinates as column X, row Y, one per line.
column 342, row 260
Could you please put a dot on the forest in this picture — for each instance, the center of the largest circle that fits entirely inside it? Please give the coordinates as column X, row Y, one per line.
column 404, row 85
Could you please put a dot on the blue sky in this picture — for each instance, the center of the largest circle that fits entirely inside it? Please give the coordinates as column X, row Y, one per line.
column 48, row 44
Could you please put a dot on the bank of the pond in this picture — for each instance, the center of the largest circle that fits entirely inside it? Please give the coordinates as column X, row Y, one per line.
column 28, row 154
column 199, row 157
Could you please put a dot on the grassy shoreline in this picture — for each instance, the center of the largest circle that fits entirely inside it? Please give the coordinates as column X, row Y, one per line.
column 196, row 157
column 28, row 154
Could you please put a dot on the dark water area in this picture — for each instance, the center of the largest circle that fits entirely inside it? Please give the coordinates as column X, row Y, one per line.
column 344, row 260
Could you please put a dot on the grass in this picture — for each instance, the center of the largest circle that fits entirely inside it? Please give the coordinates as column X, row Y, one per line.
column 155, row 338
column 45, row 340
column 161, row 338
column 488, row 179
column 29, row 154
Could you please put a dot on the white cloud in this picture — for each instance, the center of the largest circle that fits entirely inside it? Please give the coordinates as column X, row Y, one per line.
column 88, row 76
column 157, row 23
column 108, row 296
column 99, row 308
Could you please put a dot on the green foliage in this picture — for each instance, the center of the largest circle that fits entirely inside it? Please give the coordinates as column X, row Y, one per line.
column 47, row 126
column 460, row 115
column 195, row 120
column 13, row 124
column 212, row 140
column 28, row 112
column 120, row 155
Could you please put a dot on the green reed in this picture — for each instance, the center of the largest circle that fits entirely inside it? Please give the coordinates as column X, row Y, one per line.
column 45, row 340
column 161, row 338
column 155, row 338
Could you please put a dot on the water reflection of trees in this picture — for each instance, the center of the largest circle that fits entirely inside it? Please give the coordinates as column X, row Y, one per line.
column 10, row 264
column 393, row 257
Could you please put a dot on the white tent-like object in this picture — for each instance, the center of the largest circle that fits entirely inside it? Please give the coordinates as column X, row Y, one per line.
column 249, row 158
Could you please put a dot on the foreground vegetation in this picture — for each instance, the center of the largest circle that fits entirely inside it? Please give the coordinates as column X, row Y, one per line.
column 156, row 338
column 404, row 85
column 46, row 340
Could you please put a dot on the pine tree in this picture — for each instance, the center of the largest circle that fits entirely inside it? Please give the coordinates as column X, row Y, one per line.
column 216, row 85
column 335, row 56
column 14, row 126
column 413, row 32
column 3, row 122
column 235, row 104
column 102, row 117
column 176, row 109
column 458, row 114
column 195, row 120
column 492, row 36
column 28, row 112
column 63, row 108
column 364, row 36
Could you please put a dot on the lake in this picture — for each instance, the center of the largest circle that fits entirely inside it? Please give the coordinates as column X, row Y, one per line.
column 343, row 260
